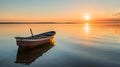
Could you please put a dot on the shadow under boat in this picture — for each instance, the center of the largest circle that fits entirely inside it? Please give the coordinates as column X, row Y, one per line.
column 29, row 55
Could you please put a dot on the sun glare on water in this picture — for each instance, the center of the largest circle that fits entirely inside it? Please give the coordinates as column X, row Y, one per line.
column 86, row 28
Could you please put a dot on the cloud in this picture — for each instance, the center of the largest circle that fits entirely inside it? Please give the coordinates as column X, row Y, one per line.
column 117, row 14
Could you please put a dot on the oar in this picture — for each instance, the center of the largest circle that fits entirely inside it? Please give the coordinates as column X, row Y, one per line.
column 31, row 32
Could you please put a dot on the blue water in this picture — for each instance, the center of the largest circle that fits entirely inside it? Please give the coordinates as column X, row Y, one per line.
column 76, row 45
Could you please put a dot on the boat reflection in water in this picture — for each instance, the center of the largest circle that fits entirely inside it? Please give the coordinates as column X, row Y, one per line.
column 28, row 55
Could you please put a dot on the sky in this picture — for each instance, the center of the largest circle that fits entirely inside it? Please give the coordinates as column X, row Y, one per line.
column 57, row 10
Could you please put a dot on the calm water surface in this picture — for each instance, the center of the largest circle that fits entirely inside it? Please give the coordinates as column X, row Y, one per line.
column 75, row 46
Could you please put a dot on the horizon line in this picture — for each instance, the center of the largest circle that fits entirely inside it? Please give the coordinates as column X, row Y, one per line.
column 101, row 23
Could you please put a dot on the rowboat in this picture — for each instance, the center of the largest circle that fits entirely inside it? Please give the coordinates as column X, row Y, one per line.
column 35, row 40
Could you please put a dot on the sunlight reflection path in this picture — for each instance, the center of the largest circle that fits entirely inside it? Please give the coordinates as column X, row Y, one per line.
column 86, row 28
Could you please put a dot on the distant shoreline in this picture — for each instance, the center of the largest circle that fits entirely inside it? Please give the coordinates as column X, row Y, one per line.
column 91, row 23
column 35, row 23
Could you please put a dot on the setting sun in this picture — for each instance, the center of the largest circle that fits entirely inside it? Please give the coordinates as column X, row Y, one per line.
column 87, row 17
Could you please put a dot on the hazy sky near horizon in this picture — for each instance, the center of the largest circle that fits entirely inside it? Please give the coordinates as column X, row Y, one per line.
column 58, row 10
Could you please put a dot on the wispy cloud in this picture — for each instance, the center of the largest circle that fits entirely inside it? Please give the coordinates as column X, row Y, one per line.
column 117, row 14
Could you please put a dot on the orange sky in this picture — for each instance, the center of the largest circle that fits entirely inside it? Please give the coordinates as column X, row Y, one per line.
column 58, row 11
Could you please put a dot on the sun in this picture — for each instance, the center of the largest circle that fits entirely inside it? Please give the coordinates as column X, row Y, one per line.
column 87, row 17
